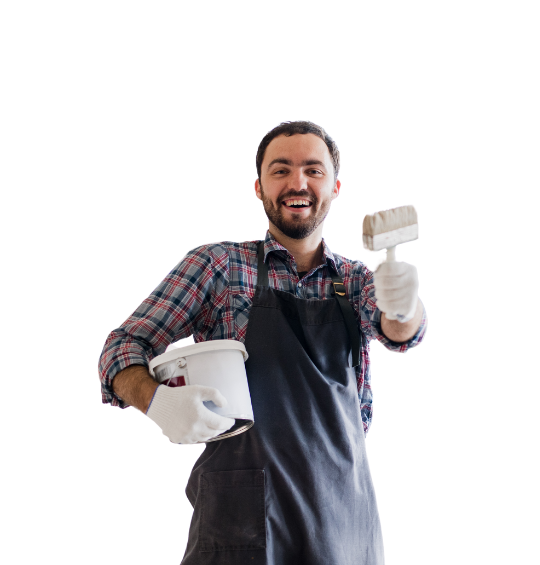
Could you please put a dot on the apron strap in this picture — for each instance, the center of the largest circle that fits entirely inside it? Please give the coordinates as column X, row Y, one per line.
column 338, row 292
column 348, row 315
column 262, row 267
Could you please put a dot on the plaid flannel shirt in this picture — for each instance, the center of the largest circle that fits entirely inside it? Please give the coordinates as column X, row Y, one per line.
column 209, row 295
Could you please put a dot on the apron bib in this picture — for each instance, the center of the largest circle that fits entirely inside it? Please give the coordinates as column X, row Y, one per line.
column 295, row 489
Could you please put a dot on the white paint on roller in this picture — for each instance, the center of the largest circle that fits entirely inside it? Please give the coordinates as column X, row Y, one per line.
column 390, row 238
column 389, row 220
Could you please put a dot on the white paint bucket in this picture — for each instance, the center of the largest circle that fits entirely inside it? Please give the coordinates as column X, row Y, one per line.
column 219, row 364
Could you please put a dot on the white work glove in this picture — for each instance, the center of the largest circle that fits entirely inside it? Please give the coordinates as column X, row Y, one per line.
column 181, row 414
column 396, row 290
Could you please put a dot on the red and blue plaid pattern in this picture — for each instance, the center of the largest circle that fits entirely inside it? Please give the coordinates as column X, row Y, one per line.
column 209, row 295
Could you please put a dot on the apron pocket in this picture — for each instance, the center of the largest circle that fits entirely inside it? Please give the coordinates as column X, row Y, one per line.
column 232, row 510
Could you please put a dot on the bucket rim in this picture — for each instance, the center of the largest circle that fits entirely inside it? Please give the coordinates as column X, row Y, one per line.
column 195, row 349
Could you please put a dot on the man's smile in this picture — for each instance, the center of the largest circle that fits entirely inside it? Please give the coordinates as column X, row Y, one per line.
column 297, row 204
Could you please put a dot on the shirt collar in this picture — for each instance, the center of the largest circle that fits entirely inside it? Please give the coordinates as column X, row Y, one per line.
column 271, row 245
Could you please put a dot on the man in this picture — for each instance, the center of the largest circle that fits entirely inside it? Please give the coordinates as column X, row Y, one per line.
column 296, row 487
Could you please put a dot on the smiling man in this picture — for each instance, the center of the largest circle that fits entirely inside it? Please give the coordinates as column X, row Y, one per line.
column 296, row 487
column 300, row 182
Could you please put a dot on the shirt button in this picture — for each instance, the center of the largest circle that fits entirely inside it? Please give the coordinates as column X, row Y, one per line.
column 299, row 285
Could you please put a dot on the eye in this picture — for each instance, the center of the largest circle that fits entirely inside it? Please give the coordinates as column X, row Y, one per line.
column 313, row 172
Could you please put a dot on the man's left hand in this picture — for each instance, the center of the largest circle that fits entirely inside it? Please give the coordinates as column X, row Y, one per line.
column 396, row 290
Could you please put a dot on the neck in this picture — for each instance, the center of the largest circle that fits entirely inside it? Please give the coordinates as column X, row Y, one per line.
column 307, row 252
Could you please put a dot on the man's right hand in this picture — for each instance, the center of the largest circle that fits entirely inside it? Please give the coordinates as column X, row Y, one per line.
column 181, row 414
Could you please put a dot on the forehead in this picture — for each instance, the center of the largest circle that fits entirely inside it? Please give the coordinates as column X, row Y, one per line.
column 298, row 147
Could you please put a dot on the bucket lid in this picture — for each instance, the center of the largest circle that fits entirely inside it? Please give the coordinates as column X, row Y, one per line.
column 203, row 347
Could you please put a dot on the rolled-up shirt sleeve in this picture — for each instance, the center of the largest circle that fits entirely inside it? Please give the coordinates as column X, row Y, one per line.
column 180, row 304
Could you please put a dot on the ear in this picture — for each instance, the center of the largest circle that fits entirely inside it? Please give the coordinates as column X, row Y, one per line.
column 335, row 190
column 258, row 189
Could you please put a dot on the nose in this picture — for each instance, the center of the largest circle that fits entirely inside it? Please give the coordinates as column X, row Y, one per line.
column 298, row 180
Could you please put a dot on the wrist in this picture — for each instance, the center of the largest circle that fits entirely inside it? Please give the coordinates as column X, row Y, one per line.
column 148, row 393
column 401, row 332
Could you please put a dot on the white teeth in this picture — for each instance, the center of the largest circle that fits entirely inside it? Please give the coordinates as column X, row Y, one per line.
column 298, row 203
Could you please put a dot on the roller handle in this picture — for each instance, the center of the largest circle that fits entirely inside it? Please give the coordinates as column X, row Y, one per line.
column 390, row 258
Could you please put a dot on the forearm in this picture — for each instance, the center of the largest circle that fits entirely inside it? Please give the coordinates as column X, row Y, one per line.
column 135, row 386
column 401, row 332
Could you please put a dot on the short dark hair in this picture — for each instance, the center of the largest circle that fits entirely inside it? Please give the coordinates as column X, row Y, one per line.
column 292, row 128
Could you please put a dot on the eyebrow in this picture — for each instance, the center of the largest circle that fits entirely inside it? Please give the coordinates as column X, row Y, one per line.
column 306, row 163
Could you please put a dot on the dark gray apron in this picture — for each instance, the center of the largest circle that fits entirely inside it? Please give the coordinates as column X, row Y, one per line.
column 296, row 488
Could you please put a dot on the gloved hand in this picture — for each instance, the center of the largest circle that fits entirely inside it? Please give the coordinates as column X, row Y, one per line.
column 396, row 290
column 181, row 414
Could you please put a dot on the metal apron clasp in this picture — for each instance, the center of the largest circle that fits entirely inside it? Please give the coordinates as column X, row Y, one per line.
column 338, row 292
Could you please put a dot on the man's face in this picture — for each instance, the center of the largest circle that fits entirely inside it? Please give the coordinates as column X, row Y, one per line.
column 297, row 184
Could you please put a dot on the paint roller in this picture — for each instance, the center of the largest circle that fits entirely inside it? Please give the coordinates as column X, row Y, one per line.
column 388, row 228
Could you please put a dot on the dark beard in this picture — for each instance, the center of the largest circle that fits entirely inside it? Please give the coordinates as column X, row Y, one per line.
column 299, row 229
